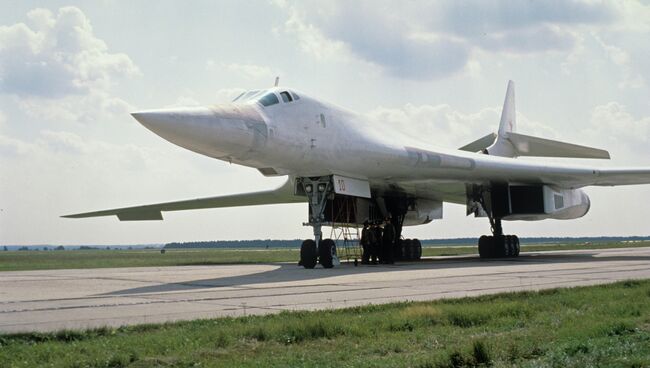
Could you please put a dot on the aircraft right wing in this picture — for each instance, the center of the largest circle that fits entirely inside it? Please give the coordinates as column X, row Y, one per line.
column 282, row 194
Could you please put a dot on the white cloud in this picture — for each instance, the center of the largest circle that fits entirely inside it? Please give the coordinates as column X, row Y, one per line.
column 250, row 71
column 57, row 55
column 310, row 38
column 184, row 101
column 617, row 129
column 78, row 108
column 228, row 94
column 621, row 58
column 56, row 69
column 636, row 15
column 443, row 126
column 433, row 40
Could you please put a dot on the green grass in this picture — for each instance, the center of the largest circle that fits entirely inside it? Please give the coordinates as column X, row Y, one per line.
column 603, row 326
column 48, row 260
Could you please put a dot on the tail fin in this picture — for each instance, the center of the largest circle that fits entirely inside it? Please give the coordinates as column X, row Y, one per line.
column 508, row 114
column 508, row 143
column 502, row 146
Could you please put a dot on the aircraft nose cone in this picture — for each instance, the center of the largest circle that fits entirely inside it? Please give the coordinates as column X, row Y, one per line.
column 213, row 131
column 169, row 123
column 143, row 117
column 167, row 118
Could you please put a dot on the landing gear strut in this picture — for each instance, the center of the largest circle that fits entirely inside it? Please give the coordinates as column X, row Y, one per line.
column 498, row 245
column 318, row 190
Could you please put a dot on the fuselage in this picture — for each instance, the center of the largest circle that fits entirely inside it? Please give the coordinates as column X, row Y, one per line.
column 303, row 136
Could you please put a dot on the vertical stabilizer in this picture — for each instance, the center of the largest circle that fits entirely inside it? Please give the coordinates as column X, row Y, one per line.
column 508, row 114
column 508, row 124
column 508, row 143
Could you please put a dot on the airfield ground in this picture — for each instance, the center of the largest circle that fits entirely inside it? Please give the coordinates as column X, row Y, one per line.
column 75, row 259
column 578, row 327
column 282, row 315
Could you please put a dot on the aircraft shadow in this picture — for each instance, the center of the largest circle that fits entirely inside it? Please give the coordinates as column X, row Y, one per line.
column 286, row 272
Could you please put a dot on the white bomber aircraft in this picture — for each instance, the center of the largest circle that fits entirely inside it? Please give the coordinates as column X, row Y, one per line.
column 348, row 176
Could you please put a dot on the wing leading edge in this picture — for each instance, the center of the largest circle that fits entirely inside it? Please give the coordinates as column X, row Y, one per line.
column 282, row 194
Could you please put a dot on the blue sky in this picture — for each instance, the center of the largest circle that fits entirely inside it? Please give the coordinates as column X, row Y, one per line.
column 435, row 71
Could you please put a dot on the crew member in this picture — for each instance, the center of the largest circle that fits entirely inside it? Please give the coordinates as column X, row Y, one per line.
column 388, row 242
column 366, row 235
column 376, row 247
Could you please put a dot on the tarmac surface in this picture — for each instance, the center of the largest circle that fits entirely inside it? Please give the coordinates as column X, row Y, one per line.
column 74, row 299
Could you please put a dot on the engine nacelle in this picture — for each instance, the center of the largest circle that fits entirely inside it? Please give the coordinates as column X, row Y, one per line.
column 538, row 202
column 423, row 211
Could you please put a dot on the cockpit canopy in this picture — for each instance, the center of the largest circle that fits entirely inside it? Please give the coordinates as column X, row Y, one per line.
column 266, row 97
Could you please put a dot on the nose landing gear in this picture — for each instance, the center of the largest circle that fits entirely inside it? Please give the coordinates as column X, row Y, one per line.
column 318, row 190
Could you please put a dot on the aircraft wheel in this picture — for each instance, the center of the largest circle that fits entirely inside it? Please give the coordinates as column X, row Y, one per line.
column 517, row 245
column 499, row 246
column 401, row 249
column 308, row 256
column 484, row 247
column 408, row 249
column 326, row 250
column 508, row 246
column 417, row 246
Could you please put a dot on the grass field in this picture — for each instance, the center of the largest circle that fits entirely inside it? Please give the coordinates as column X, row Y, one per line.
column 48, row 260
column 601, row 326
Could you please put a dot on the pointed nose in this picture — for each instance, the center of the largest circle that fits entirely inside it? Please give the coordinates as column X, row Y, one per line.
column 165, row 121
column 216, row 131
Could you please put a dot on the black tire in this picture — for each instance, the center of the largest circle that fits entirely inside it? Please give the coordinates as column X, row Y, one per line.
column 308, row 256
column 499, row 246
column 508, row 246
column 408, row 249
column 417, row 249
column 326, row 249
column 484, row 247
column 400, row 253
column 517, row 245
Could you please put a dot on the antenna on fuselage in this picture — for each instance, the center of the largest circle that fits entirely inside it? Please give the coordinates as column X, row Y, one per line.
column 277, row 81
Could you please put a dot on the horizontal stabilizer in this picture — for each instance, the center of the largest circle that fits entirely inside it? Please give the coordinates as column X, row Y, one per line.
column 480, row 144
column 526, row 145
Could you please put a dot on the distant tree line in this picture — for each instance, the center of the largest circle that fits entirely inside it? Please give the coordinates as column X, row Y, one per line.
column 295, row 243
column 427, row 242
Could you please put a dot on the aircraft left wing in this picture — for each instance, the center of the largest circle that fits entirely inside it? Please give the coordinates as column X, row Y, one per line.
column 282, row 194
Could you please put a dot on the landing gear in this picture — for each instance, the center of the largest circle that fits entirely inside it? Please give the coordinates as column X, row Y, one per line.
column 411, row 249
column 327, row 253
column 318, row 190
column 308, row 254
column 498, row 245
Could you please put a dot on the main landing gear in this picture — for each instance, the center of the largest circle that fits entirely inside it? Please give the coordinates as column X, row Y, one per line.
column 325, row 253
column 498, row 245
column 319, row 250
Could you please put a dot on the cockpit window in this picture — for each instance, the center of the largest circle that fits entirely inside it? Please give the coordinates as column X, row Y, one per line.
column 286, row 97
column 269, row 99
column 266, row 97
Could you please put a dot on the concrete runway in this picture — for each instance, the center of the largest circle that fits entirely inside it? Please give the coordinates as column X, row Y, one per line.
column 72, row 299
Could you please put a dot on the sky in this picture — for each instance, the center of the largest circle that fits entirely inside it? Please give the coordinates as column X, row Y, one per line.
column 436, row 71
